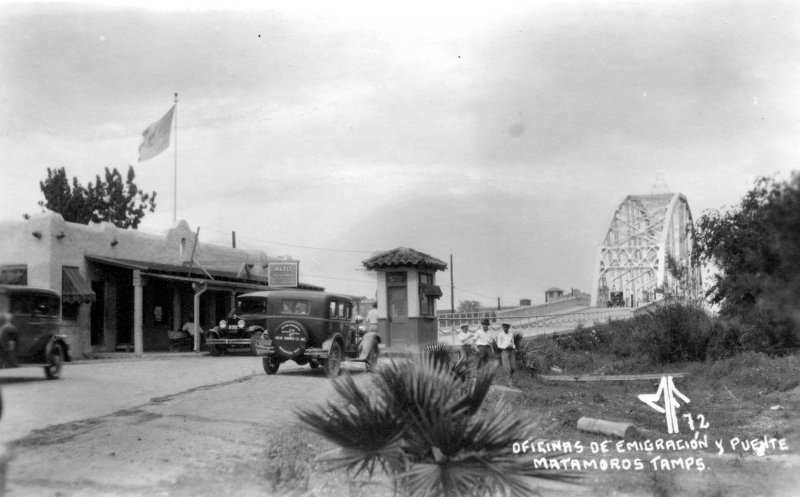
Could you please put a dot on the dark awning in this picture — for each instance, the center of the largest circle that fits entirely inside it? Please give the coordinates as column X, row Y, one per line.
column 431, row 291
column 75, row 289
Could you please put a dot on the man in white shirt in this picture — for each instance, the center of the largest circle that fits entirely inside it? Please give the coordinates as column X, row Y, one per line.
column 505, row 342
column 188, row 327
column 484, row 343
column 465, row 339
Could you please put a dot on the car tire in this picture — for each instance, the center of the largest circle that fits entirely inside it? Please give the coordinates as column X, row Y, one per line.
column 253, row 339
column 289, row 339
column 214, row 349
column 54, row 356
column 372, row 357
column 270, row 364
column 334, row 362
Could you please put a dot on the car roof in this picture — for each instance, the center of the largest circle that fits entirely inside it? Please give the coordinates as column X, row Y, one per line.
column 296, row 294
column 22, row 289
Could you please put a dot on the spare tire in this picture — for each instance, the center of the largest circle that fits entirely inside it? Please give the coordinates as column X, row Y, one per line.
column 290, row 339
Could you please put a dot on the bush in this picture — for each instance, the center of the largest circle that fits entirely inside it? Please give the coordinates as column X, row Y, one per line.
column 674, row 333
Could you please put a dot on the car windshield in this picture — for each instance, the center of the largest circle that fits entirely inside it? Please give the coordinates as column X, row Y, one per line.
column 251, row 306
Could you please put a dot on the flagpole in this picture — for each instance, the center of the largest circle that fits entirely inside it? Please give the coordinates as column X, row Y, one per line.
column 175, row 171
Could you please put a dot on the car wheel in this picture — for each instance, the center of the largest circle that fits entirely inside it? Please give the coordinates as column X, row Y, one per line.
column 213, row 348
column 289, row 339
column 372, row 357
column 270, row 364
column 55, row 361
column 253, row 339
column 334, row 362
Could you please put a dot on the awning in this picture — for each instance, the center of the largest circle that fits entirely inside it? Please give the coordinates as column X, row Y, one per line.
column 75, row 289
column 431, row 291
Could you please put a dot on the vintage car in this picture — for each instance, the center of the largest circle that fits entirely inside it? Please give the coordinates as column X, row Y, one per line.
column 29, row 329
column 242, row 327
column 314, row 328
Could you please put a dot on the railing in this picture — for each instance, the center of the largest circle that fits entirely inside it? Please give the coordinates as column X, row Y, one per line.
column 450, row 324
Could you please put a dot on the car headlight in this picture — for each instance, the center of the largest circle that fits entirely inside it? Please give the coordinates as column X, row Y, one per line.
column 241, row 323
column 223, row 324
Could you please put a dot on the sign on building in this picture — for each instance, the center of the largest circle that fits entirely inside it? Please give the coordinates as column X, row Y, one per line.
column 283, row 274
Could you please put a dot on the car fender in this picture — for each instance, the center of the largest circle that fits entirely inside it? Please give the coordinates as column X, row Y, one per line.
column 366, row 344
column 326, row 345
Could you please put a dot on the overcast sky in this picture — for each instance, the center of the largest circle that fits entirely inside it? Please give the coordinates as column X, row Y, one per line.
column 506, row 136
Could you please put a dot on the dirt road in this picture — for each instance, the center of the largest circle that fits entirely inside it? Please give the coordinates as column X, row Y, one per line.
column 189, row 426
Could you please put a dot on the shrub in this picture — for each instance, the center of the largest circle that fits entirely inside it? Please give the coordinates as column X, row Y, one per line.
column 425, row 427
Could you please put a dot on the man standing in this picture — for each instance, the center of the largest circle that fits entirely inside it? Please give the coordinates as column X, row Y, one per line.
column 372, row 318
column 505, row 342
column 484, row 343
column 465, row 339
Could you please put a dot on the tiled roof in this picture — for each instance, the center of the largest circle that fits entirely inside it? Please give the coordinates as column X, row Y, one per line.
column 404, row 257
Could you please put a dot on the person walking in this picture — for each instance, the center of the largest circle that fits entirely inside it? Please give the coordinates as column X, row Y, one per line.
column 483, row 341
column 465, row 339
column 505, row 342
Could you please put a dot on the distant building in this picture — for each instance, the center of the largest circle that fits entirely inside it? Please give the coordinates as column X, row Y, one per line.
column 126, row 288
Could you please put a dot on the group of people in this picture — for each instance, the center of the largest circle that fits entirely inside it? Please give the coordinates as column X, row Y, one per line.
column 481, row 341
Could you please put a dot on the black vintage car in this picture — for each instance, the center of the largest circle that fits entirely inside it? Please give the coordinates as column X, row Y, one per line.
column 29, row 329
column 314, row 328
column 242, row 327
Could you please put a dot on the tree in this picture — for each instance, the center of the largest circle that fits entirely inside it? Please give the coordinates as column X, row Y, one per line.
column 756, row 248
column 469, row 306
column 112, row 200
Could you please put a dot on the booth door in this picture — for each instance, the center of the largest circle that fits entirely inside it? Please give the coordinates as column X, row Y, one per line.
column 398, row 317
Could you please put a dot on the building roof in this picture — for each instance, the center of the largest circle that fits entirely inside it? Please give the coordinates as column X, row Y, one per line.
column 190, row 271
column 404, row 257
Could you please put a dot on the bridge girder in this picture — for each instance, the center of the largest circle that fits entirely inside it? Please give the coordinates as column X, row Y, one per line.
column 646, row 252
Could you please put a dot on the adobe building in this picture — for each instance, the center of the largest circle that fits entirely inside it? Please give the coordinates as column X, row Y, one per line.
column 406, row 297
column 124, row 289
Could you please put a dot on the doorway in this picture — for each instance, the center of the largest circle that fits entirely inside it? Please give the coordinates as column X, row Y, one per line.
column 398, row 316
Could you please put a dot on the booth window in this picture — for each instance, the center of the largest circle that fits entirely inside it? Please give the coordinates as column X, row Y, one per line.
column 428, row 293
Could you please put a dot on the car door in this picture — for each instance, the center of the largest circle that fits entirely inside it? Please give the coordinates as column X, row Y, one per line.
column 42, row 322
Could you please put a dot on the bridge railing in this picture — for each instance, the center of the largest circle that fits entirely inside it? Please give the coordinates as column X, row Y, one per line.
column 450, row 324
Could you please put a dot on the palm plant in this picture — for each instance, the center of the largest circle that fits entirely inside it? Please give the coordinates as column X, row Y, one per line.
column 427, row 428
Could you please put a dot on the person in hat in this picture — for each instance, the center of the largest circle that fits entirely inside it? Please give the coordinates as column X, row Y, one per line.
column 483, row 341
column 465, row 339
column 505, row 342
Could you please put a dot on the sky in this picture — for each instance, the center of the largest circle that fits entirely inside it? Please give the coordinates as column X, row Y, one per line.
column 505, row 136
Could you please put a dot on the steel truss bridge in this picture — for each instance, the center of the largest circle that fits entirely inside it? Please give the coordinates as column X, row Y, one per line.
column 646, row 253
column 645, row 257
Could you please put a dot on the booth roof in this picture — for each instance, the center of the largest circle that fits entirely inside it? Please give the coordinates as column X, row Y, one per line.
column 404, row 257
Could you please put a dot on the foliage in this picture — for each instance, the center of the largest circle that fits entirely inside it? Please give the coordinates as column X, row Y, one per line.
column 756, row 247
column 429, row 430
column 110, row 199
column 469, row 306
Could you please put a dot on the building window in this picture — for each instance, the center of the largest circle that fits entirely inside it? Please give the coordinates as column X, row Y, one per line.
column 14, row 274
column 69, row 311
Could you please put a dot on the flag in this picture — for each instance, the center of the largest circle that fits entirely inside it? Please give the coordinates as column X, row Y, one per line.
column 155, row 139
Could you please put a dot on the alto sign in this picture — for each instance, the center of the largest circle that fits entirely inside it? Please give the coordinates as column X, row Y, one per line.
column 283, row 274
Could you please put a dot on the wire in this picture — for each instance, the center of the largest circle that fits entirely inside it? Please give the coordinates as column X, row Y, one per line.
column 271, row 242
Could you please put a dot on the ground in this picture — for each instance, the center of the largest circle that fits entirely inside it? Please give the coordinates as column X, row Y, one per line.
column 239, row 436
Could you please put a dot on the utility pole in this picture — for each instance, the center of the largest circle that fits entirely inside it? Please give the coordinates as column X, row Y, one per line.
column 498, row 303
column 452, row 298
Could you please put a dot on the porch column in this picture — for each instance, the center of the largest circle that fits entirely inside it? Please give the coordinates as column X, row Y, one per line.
column 198, row 290
column 176, row 309
column 138, row 342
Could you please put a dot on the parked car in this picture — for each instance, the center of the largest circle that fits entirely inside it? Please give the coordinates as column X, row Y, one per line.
column 242, row 327
column 314, row 328
column 29, row 329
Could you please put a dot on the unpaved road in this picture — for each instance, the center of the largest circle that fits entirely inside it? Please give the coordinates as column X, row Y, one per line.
column 197, row 426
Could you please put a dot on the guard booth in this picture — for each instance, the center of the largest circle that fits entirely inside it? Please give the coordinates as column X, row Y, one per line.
column 407, row 294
